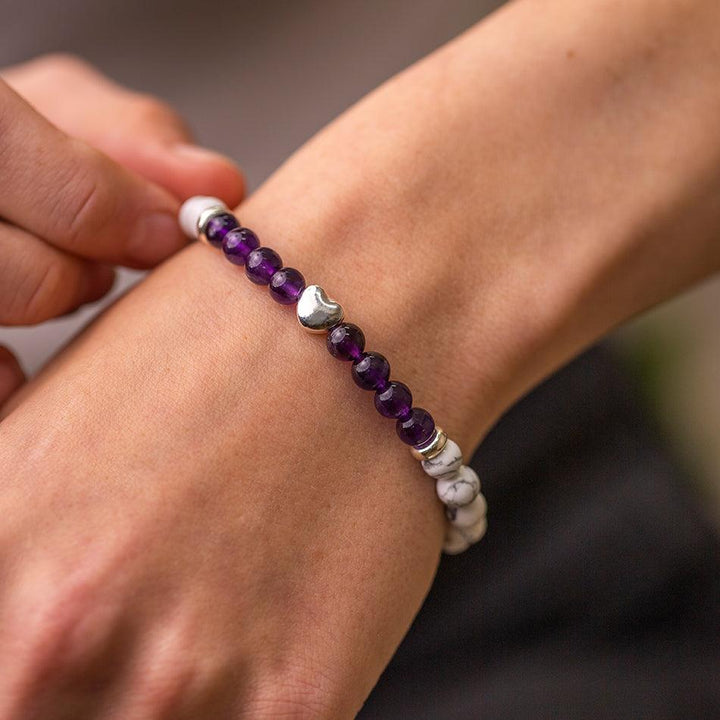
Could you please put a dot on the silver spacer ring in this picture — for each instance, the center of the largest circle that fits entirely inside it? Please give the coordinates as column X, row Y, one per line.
column 432, row 447
column 205, row 217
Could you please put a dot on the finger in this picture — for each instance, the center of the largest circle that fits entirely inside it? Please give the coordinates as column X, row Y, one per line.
column 63, row 191
column 11, row 374
column 136, row 130
column 39, row 282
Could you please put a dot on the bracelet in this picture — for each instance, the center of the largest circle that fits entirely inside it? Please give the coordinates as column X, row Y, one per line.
column 458, row 486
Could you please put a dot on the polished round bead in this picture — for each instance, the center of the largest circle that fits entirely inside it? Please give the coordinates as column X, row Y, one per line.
column 286, row 286
column 468, row 516
column 218, row 226
column 394, row 401
column 417, row 428
column 197, row 209
column 346, row 341
column 455, row 542
column 261, row 264
column 458, row 488
column 459, row 539
column 371, row 371
column 238, row 244
column 446, row 462
column 476, row 532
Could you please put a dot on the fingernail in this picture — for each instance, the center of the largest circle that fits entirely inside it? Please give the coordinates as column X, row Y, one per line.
column 193, row 153
column 157, row 237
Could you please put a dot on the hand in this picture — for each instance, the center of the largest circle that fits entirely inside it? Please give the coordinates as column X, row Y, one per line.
column 91, row 177
column 202, row 516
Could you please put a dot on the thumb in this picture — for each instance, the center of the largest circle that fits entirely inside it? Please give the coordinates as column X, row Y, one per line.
column 136, row 130
column 11, row 375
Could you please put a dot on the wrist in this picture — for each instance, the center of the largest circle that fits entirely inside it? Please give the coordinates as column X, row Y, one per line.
column 406, row 299
column 495, row 226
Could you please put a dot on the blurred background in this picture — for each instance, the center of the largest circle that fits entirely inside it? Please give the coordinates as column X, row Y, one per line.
column 255, row 80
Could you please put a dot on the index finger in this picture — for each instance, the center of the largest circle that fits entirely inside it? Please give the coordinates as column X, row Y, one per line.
column 65, row 192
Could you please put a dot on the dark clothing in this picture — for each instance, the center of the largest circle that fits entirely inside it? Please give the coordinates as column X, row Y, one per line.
column 596, row 592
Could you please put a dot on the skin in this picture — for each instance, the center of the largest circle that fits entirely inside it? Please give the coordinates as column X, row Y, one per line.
column 86, row 185
column 203, row 517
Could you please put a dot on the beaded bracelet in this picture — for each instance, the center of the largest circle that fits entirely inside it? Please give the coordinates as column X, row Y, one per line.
column 457, row 485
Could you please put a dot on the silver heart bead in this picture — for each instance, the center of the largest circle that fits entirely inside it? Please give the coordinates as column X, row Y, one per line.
column 316, row 311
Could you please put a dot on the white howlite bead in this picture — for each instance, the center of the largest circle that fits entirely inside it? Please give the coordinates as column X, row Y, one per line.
column 458, row 488
column 191, row 210
column 475, row 532
column 448, row 460
column 468, row 515
column 455, row 543
column 458, row 540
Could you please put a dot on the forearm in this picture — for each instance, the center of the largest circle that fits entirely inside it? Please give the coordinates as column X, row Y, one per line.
column 517, row 194
column 483, row 216
column 513, row 196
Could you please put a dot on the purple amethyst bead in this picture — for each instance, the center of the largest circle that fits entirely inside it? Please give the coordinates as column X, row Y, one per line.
column 261, row 264
column 287, row 285
column 238, row 244
column 417, row 428
column 371, row 371
column 346, row 341
column 218, row 226
column 394, row 401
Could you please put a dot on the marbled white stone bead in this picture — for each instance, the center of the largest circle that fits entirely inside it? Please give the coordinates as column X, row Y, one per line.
column 459, row 539
column 458, row 488
column 476, row 532
column 455, row 543
column 447, row 461
column 467, row 515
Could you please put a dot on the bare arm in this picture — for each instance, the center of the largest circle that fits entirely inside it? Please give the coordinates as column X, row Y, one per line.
column 200, row 473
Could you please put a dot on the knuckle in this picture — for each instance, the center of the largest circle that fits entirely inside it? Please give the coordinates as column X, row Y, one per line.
column 8, row 121
column 61, row 64
column 38, row 295
column 166, row 689
column 169, row 670
column 64, row 632
column 89, row 201
column 149, row 110
column 180, row 676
